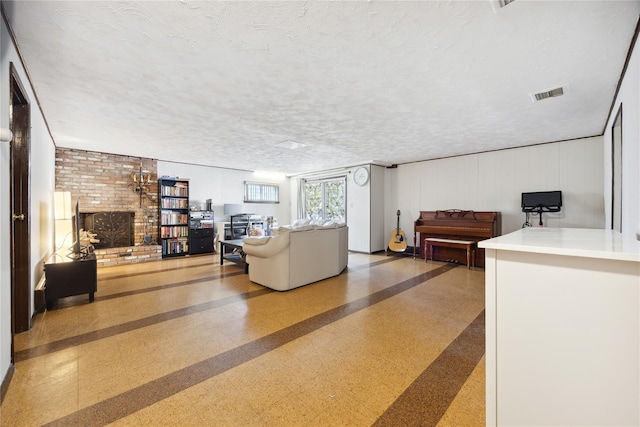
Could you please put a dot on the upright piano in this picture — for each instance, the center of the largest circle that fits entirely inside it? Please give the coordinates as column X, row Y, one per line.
column 455, row 224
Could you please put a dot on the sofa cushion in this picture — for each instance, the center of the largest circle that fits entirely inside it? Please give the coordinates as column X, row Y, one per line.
column 256, row 240
column 276, row 245
column 280, row 230
column 305, row 227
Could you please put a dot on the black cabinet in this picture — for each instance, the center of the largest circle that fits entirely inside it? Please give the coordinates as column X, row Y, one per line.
column 200, row 240
column 66, row 277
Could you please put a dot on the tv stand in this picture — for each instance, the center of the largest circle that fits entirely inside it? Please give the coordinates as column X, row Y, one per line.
column 67, row 277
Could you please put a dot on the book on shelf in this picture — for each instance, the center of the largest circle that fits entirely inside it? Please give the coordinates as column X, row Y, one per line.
column 174, row 191
column 175, row 203
column 173, row 218
column 174, row 246
column 170, row 232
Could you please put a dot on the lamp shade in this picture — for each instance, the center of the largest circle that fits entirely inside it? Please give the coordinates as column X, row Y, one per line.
column 6, row 135
column 63, row 233
column 62, row 205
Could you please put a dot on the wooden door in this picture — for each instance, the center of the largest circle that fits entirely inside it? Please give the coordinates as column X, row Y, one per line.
column 20, row 123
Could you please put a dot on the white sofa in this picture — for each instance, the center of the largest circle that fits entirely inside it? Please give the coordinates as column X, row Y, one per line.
column 297, row 256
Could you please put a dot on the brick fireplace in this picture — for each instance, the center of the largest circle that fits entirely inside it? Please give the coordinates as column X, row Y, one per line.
column 113, row 229
column 102, row 185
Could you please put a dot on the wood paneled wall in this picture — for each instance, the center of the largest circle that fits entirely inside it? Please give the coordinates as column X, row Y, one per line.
column 494, row 181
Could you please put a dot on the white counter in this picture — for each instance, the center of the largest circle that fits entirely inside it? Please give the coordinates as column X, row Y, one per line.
column 562, row 328
column 582, row 242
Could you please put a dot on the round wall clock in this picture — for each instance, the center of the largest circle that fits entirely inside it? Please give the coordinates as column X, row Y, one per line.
column 361, row 175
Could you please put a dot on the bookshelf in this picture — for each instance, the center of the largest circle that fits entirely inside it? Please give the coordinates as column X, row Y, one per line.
column 174, row 216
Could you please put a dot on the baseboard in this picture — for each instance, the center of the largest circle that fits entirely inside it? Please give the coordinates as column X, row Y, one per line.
column 5, row 383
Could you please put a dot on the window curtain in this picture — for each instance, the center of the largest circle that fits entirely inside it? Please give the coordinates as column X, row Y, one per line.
column 301, row 199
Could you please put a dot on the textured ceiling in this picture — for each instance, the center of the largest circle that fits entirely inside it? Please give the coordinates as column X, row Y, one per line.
column 223, row 83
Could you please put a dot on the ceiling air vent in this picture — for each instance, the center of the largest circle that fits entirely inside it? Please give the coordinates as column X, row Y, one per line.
column 499, row 4
column 548, row 94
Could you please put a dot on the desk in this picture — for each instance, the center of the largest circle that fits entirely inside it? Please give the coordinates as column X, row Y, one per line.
column 235, row 254
column 66, row 277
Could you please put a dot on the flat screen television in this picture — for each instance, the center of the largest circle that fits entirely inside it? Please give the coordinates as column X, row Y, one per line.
column 76, row 249
column 542, row 201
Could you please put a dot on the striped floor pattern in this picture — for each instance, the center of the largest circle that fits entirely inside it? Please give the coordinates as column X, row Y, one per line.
column 391, row 341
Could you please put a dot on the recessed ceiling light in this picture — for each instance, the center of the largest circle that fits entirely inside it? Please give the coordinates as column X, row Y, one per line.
column 553, row 93
column 292, row 145
column 269, row 175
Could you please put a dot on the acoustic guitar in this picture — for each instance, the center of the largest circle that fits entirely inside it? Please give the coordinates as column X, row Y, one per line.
column 398, row 243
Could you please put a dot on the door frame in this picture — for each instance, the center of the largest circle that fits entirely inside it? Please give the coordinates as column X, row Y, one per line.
column 616, row 172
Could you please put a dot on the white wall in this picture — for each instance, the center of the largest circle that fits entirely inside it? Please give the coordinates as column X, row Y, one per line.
column 629, row 98
column 42, row 179
column 5, row 212
column 227, row 186
column 494, row 181
column 358, row 213
column 365, row 211
column 42, row 184
column 5, row 230
column 379, row 235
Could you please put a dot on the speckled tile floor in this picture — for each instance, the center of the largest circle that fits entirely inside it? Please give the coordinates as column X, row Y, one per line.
column 187, row 342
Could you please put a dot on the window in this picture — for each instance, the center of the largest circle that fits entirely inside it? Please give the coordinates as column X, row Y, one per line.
column 256, row 192
column 325, row 199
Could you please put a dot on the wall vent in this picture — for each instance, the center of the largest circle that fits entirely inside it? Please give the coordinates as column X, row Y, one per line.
column 548, row 94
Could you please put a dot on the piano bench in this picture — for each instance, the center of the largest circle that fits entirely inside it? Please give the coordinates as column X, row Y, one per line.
column 468, row 245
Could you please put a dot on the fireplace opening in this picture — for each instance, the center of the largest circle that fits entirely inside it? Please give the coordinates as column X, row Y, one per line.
column 113, row 229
